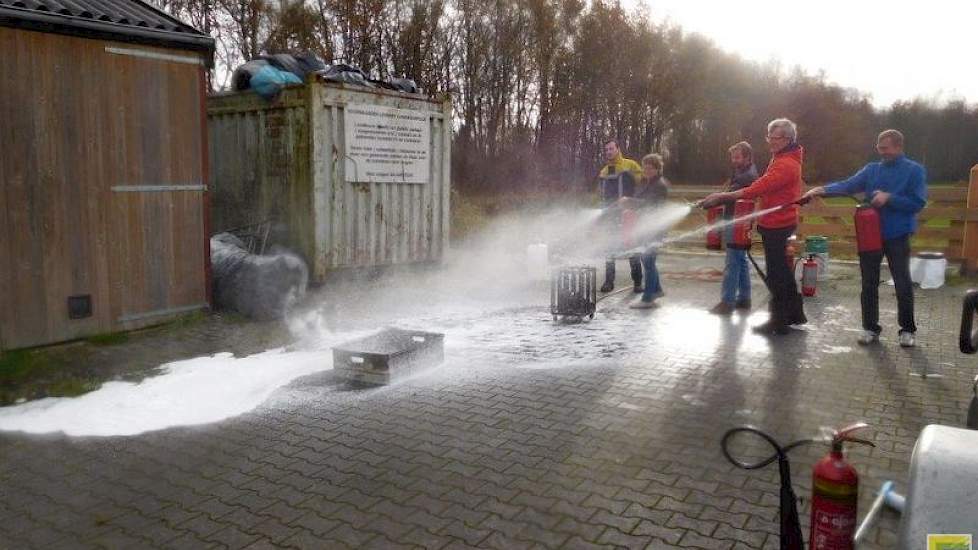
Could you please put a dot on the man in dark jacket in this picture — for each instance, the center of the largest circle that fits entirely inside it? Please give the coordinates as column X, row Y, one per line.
column 897, row 187
column 617, row 180
column 735, row 290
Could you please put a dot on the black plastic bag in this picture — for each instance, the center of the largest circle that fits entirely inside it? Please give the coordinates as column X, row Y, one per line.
column 346, row 74
column 405, row 85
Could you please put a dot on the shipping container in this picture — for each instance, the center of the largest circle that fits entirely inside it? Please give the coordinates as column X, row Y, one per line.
column 381, row 199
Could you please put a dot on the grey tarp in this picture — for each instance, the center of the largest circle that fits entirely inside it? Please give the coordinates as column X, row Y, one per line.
column 259, row 287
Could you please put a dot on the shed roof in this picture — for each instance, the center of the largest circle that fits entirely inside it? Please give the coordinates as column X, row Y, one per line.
column 124, row 20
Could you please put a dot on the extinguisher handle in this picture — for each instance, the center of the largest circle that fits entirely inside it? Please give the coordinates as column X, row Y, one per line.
column 845, row 434
column 866, row 442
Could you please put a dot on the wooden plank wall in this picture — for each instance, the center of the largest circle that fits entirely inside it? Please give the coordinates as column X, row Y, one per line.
column 79, row 121
column 945, row 203
column 969, row 244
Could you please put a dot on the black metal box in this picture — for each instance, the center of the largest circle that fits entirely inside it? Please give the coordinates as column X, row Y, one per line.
column 389, row 355
column 574, row 292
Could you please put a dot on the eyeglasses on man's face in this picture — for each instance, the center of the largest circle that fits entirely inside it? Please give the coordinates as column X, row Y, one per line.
column 773, row 138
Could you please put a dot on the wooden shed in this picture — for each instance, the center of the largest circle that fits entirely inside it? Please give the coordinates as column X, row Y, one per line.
column 103, row 164
column 349, row 176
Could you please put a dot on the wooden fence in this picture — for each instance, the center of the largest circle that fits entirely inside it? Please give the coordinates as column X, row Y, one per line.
column 948, row 224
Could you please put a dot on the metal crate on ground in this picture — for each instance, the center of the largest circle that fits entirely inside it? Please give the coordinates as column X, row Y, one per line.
column 574, row 292
column 389, row 355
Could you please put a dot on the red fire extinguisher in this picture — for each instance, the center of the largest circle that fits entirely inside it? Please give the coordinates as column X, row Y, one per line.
column 714, row 240
column 789, row 252
column 835, row 495
column 869, row 234
column 629, row 219
column 742, row 229
column 809, row 276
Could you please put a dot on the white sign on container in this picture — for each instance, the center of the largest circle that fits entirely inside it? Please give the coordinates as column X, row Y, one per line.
column 387, row 145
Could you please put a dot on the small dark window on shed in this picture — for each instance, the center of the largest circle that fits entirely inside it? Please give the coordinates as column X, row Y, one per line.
column 79, row 307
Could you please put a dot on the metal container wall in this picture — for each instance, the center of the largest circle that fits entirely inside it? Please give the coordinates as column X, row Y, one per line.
column 285, row 160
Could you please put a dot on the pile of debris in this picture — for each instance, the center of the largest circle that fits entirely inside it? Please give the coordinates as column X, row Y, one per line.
column 268, row 74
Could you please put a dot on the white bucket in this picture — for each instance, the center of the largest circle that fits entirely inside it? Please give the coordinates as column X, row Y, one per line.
column 928, row 272
column 538, row 262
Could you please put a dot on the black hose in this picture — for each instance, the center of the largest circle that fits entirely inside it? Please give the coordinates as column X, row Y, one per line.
column 791, row 538
column 610, row 294
column 760, row 272
column 779, row 451
column 968, row 338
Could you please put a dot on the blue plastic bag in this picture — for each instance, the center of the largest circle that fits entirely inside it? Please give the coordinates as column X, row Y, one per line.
column 268, row 81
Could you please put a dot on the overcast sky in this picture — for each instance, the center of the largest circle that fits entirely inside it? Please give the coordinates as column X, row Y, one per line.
column 892, row 50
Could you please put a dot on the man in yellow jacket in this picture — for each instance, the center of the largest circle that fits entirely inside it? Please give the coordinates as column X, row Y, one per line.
column 618, row 179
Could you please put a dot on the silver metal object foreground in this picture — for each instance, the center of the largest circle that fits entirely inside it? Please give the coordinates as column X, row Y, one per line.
column 389, row 355
column 887, row 497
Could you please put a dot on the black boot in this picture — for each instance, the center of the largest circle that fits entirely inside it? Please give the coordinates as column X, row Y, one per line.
column 636, row 266
column 609, row 277
column 776, row 320
column 796, row 310
column 772, row 327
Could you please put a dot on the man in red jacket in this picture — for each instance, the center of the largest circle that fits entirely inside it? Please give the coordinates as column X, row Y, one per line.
column 780, row 185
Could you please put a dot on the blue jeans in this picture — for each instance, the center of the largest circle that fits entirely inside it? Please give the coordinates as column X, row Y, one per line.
column 736, row 277
column 652, row 285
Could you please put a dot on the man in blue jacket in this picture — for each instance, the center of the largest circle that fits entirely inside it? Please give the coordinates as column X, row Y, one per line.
column 897, row 186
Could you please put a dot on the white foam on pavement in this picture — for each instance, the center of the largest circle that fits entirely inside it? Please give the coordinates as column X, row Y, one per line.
column 187, row 393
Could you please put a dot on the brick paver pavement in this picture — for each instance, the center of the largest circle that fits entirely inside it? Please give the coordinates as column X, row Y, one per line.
column 532, row 435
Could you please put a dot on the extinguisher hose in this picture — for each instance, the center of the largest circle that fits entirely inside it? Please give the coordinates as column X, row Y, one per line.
column 780, row 453
column 760, row 272
column 804, row 201
column 790, row 529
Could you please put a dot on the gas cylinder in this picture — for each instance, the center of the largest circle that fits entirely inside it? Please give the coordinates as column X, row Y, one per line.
column 714, row 239
column 835, row 496
column 629, row 219
column 869, row 234
column 741, row 238
column 809, row 276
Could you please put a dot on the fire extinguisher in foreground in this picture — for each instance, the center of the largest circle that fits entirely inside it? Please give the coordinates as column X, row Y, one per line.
column 809, row 276
column 835, row 495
